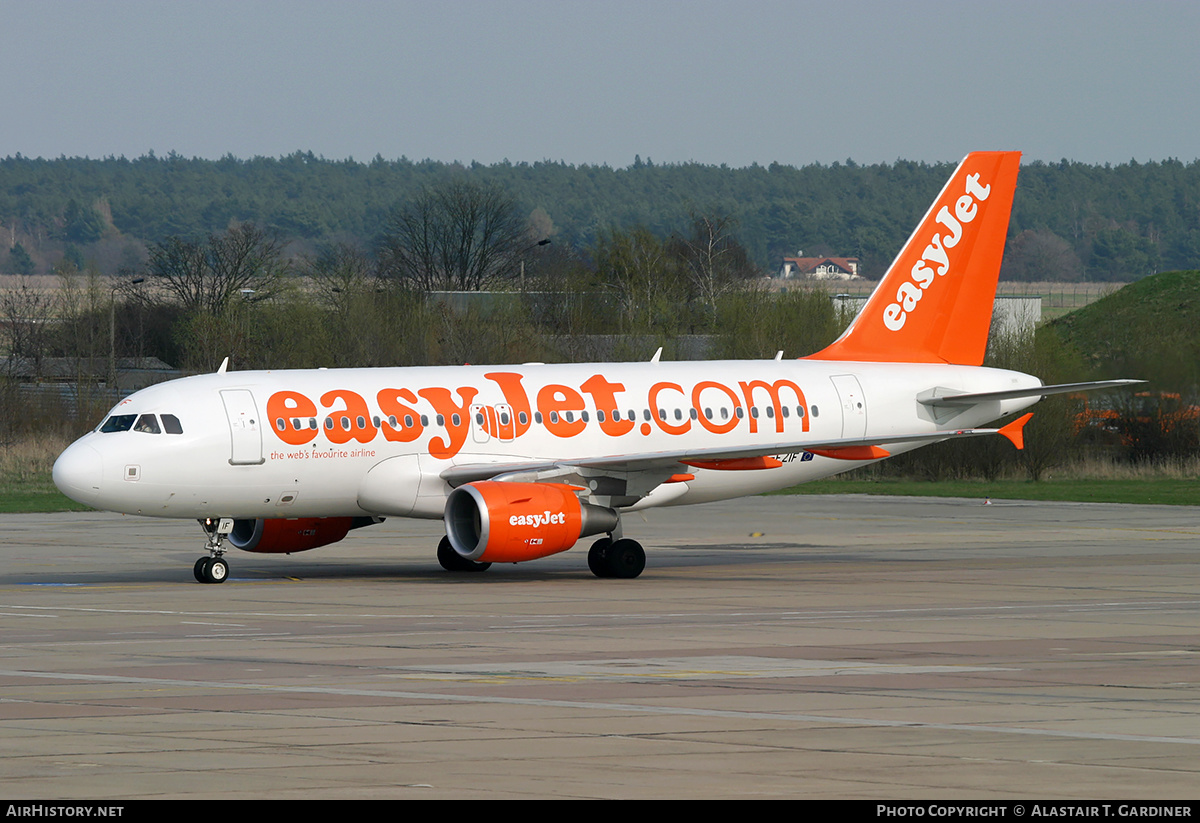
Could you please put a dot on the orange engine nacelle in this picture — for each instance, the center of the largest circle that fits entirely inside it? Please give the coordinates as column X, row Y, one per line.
column 496, row 522
column 280, row 536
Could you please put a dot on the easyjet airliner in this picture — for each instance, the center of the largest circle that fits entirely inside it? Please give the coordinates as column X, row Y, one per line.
column 520, row 462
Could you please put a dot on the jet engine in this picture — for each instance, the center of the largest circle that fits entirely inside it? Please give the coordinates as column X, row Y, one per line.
column 282, row 536
column 497, row 522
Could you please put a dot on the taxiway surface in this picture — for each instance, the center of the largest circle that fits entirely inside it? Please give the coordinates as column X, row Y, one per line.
column 809, row 646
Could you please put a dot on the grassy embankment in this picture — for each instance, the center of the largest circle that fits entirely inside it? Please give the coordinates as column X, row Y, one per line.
column 1169, row 491
column 25, row 484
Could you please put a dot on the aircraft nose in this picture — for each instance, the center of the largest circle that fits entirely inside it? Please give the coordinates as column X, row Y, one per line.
column 78, row 471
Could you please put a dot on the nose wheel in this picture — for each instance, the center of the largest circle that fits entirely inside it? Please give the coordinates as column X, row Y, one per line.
column 211, row 570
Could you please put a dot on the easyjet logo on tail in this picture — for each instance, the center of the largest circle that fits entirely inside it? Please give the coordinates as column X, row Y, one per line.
column 935, row 259
column 934, row 304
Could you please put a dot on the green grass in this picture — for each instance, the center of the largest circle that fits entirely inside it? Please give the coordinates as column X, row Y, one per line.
column 1165, row 491
column 34, row 498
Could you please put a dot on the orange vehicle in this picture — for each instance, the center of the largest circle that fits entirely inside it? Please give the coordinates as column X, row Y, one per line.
column 1161, row 413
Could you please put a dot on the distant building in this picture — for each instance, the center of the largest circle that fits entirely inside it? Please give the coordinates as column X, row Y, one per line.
column 820, row 268
column 132, row 373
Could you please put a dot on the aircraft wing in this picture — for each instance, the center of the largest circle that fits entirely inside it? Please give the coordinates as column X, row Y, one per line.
column 847, row 448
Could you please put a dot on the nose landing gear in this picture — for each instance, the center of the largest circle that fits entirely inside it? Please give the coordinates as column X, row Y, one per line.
column 214, row 569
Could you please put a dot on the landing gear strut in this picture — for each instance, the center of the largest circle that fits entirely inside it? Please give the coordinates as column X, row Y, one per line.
column 213, row 569
column 622, row 558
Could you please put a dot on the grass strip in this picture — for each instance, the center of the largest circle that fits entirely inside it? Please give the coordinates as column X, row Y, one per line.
column 1161, row 491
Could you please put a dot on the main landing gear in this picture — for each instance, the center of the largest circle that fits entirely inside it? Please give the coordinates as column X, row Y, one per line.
column 214, row 569
column 452, row 561
column 622, row 558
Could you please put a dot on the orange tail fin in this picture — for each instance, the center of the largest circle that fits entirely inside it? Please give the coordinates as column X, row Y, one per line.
column 934, row 305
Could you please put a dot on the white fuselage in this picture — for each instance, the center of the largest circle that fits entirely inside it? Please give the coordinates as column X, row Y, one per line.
column 358, row 442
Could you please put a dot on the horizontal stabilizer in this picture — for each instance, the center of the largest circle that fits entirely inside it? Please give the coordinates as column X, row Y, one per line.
column 928, row 398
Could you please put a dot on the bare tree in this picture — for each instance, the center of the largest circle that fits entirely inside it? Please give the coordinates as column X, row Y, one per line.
column 1038, row 255
column 340, row 273
column 460, row 236
column 205, row 277
column 714, row 261
column 645, row 280
column 26, row 311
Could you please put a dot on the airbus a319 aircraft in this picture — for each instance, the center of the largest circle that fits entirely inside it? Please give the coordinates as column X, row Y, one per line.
column 520, row 462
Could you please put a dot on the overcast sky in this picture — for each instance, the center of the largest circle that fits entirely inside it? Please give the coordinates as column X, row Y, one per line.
column 711, row 81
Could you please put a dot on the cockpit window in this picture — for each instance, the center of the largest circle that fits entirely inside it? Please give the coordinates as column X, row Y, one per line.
column 147, row 423
column 119, row 423
column 171, row 424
